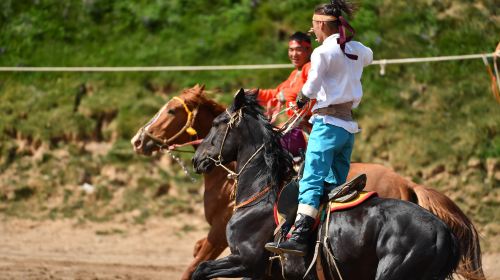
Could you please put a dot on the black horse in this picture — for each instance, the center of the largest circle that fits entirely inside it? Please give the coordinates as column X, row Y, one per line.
column 380, row 239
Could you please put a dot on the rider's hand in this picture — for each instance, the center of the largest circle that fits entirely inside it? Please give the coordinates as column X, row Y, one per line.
column 281, row 97
column 301, row 100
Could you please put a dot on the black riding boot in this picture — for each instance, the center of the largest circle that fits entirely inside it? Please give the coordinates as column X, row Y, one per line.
column 297, row 243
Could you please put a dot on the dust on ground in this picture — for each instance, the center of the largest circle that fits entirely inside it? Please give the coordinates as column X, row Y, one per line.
column 69, row 249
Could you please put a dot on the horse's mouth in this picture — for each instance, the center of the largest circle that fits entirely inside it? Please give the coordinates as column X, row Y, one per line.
column 145, row 148
column 149, row 148
column 203, row 166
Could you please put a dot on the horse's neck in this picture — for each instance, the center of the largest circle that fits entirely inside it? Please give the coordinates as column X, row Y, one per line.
column 249, row 183
column 203, row 121
column 217, row 177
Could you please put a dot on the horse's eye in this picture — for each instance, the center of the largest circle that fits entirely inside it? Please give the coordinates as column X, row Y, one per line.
column 171, row 111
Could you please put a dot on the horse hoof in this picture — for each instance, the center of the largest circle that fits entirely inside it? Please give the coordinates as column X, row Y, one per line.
column 199, row 273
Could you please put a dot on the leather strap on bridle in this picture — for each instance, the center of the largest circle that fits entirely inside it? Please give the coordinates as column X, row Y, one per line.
column 188, row 127
column 253, row 198
column 175, row 146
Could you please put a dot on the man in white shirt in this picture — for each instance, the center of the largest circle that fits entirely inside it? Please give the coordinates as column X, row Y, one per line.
column 335, row 82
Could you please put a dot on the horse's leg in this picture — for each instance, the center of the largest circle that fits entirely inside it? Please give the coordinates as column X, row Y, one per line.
column 210, row 248
column 207, row 252
column 197, row 247
column 230, row 266
column 397, row 267
column 248, row 258
column 218, row 189
column 391, row 267
column 199, row 254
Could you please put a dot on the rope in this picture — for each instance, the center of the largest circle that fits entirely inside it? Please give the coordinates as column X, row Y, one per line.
column 180, row 162
column 282, row 260
column 146, row 68
column 382, row 63
column 330, row 257
column 233, row 175
column 431, row 59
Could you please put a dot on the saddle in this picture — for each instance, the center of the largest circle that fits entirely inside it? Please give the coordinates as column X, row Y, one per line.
column 288, row 200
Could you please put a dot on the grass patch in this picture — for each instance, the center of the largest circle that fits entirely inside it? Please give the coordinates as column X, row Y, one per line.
column 414, row 118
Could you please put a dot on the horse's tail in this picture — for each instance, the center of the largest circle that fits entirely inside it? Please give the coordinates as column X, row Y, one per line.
column 470, row 266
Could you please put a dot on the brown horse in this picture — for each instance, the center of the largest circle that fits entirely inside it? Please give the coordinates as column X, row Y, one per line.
column 192, row 110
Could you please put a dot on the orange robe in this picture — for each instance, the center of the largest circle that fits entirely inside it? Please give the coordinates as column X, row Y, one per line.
column 287, row 90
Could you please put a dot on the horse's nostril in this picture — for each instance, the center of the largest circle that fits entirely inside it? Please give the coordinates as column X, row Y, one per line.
column 137, row 143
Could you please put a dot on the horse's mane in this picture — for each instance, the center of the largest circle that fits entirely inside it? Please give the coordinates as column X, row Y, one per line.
column 278, row 161
column 195, row 96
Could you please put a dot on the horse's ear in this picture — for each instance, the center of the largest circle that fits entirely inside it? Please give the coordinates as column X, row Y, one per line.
column 198, row 89
column 253, row 91
column 239, row 99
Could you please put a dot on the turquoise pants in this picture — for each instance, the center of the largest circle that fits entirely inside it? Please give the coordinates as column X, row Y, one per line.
column 328, row 157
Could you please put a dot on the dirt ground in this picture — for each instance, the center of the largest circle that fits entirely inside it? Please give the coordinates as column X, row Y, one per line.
column 67, row 249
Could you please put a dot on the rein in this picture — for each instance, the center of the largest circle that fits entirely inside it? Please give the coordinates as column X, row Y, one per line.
column 253, row 198
column 296, row 119
column 175, row 146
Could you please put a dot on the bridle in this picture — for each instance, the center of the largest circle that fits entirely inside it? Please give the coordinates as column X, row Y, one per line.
column 188, row 127
column 234, row 121
column 165, row 145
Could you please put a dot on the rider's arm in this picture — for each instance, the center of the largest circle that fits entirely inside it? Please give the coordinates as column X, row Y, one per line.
column 266, row 95
column 314, row 79
column 305, row 72
column 367, row 56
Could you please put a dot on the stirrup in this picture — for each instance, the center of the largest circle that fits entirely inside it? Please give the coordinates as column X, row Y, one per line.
column 293, row 247
column 273, row 247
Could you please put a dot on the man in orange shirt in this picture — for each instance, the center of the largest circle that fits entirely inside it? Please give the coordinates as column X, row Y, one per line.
column 299, row 52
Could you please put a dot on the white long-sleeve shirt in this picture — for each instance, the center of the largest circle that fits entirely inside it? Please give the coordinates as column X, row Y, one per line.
column 335, row 79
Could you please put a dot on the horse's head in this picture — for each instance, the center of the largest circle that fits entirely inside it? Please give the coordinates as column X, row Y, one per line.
column 243, row 131
column 180, row 120
column 221, row 143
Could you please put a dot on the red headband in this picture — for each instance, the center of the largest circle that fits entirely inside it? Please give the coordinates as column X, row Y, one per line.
column 342, row 31
column 304, row 44
column 344, row 38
